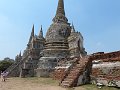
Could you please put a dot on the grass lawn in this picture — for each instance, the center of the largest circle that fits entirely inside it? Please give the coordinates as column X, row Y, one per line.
column 50, row 81
column 94, row 87
column 45, row 81
column 91, row 87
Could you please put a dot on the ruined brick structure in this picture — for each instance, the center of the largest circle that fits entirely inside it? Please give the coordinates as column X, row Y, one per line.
column 61, row 55
column 106, row 57
column 42, row 54
column 61, row 41
column 106, row 67
column 74, row 72
column 26, row 64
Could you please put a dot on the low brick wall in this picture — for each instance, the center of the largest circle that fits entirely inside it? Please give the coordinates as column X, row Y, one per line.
column 106, row 65
column 109, row 71
column 106, row 57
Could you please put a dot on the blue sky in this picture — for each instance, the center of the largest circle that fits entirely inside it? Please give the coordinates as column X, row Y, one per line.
column 97, row 20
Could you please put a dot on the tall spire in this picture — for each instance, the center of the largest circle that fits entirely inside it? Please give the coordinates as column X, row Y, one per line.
column 32, row 34
column 41, row 32
column 60, row 13
column 72, row 28
column 60, row 8
column 20, row 54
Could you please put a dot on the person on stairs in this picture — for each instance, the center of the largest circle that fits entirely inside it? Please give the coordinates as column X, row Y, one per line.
column 3, row 75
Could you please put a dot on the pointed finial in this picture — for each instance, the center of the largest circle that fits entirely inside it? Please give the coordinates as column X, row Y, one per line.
column 60, row 8
column 32, row 33
column 72, row 28
column 41, row 32
column 41, row 28
column 20, row 53
column 60, row 13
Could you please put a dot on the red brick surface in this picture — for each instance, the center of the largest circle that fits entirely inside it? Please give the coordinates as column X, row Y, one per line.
column 113, row 74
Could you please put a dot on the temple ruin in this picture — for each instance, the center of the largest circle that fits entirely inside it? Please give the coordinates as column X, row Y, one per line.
column 62, row 56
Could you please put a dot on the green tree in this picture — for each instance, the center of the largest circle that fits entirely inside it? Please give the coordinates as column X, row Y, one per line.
column 4, row 64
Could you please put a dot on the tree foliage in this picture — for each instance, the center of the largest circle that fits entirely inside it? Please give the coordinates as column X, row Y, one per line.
column 4, row 64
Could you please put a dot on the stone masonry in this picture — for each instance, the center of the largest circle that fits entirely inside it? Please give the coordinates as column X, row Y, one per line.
column 42, row 54
column 61, row 41
column 106, row 67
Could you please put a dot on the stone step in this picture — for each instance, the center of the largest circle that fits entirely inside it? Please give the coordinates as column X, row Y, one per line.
column 77, row 67
column 66, row 82
column 75, row 70
column 68, row 79
column 73, row 74
column 83, row 62
column 71, row 77
column 65, row 85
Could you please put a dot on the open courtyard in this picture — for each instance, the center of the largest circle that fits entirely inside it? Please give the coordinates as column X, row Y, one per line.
column 41, row 84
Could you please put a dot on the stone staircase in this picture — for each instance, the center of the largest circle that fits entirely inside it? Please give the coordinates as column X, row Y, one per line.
column 13, row 69
column 77, row 70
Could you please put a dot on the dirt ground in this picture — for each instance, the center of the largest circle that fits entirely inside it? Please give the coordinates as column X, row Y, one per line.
column 27, row 84
column 31, row 84
column 40, row 84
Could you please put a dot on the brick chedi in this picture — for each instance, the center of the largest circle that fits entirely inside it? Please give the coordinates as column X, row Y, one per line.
column 42, row 55
column 57, row 45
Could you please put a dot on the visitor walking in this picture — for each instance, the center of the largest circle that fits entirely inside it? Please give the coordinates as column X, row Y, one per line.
column 3, row 75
